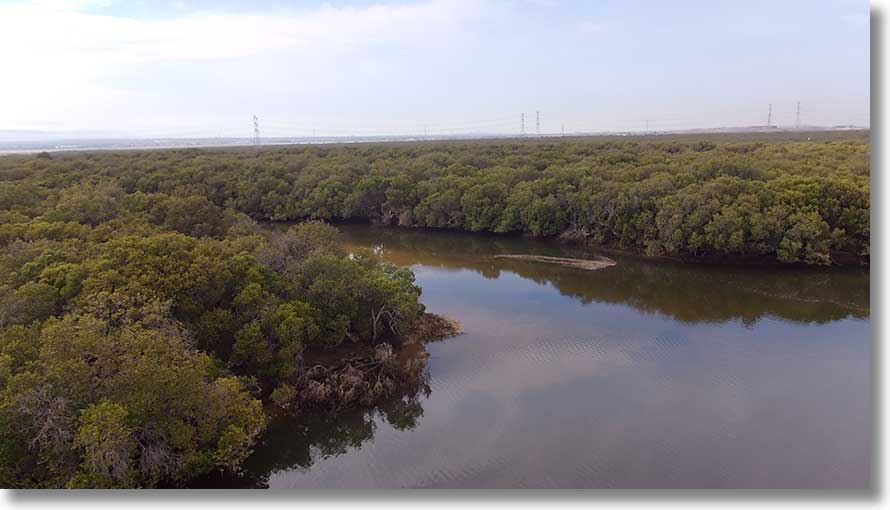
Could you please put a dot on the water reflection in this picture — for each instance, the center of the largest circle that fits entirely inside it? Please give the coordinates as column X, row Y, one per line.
column 686, row 292
column 642, row 375
column 296, row 442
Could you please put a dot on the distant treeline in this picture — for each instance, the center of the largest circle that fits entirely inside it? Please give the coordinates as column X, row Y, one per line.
column 790, row 201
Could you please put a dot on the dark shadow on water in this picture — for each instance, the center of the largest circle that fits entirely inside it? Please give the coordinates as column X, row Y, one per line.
column 296, row 441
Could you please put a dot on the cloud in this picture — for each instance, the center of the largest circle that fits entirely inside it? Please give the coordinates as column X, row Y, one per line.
column 859, row 19
column 590, row 27
column 91, row 64
column 70, row 60
column 56, row 30
column 69, row 5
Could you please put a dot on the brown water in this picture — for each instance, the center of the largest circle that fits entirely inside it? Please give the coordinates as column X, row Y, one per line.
column 642, row 375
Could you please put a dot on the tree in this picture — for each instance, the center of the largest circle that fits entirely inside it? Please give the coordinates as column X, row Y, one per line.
column 122, row 407
column 108, row 443
column 806, row 241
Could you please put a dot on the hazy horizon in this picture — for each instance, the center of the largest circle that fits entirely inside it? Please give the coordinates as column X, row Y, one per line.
column 440, row 67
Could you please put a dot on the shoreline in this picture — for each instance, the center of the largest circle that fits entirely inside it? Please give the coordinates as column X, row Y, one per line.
column 342, row 377
column 838, row 259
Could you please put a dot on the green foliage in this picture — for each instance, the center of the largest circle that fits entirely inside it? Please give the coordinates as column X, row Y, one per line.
column 137, row 293
column 283, row 395
column 127, row 406
column 108, row 444
column 32, row 301
column 132, row 307
column 88, row 203
column 807, row 240
column 295, row 323
column 689, row 197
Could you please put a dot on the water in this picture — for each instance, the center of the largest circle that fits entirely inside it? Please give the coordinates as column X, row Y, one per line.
column 643, row 375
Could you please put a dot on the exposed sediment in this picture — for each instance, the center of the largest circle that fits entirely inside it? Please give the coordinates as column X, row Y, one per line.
column 588, row 264
column 431, row 327
column 368, row 375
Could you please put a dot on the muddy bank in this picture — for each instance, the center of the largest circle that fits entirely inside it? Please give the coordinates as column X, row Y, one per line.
column 588, row 264
column 431, row 327
column 362, row 375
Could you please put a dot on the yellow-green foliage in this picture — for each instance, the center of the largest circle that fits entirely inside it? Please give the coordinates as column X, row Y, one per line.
column 139, row 327
column 782, row 197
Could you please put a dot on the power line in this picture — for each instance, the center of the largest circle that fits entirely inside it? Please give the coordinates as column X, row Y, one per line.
column 291, row 127
column 285, row 127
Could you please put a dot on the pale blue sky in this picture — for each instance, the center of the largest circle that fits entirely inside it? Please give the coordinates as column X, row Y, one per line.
column 203, row 68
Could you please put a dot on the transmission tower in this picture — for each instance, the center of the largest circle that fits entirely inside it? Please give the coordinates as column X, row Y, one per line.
column 769, row 116
column 537, row 123
column 522, row 124
column 256, row 130
column 797, row 119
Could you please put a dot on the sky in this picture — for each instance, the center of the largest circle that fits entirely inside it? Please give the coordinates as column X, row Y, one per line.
column 194, row 68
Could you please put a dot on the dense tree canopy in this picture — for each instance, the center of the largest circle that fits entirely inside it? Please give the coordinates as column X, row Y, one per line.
column 791, row 200
column 139, row 331
column 144, row 314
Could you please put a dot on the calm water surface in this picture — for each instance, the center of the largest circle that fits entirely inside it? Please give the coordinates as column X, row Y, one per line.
column 643, row 375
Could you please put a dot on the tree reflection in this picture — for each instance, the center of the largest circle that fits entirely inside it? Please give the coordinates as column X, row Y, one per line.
column 686, row 292
column 296, row 442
